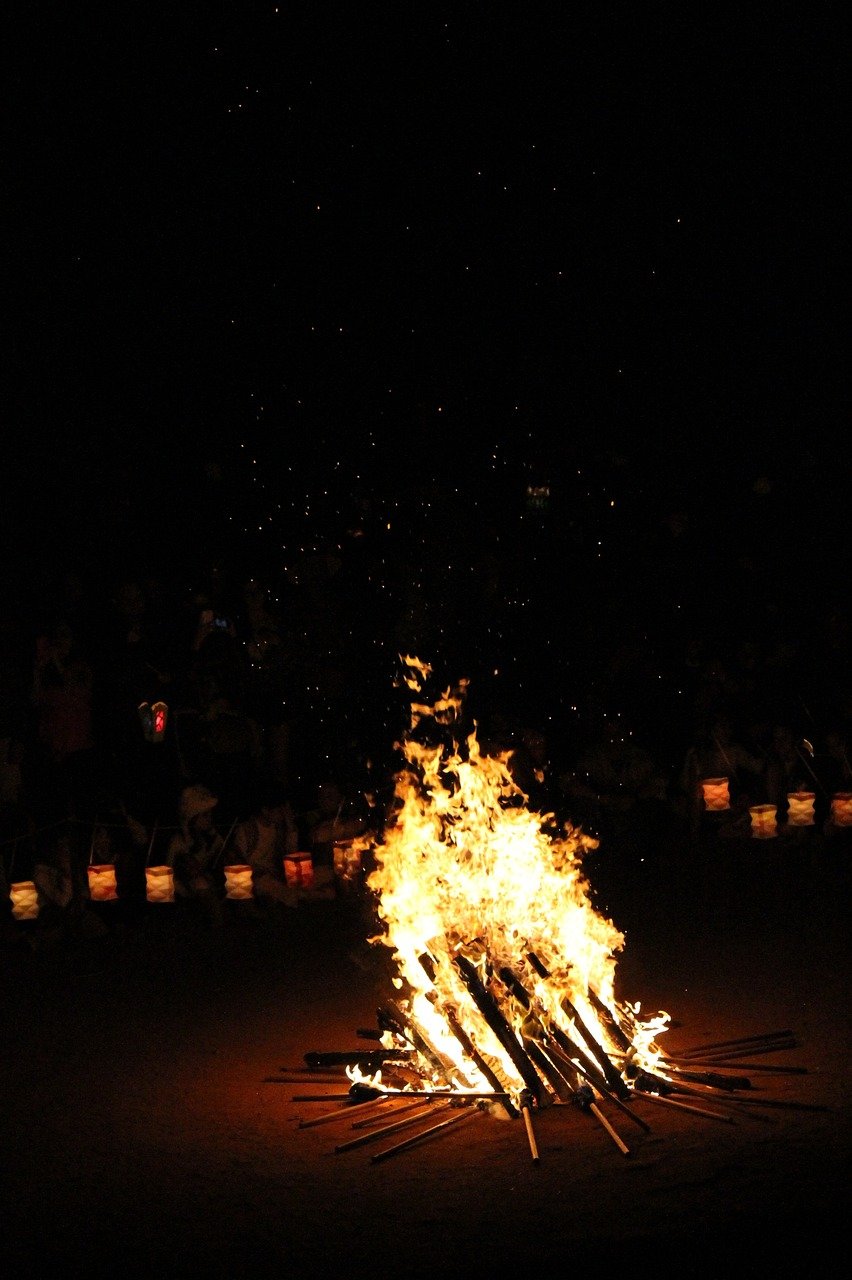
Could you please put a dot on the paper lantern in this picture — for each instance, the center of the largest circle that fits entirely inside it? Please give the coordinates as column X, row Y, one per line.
column 299, row 870
column 102, row 885
column 153, row 719
column 716, row 794
column 764, row 822
column 347, row 859
column 238, row 882
column 24, row 895
column 841, row 808
column 800, row 808
column 159, row 884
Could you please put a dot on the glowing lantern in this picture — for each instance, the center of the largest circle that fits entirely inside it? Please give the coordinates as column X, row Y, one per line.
column 764, row 821
column 153, row 719
column 238, row 882
column 159, row 884
column 841, row 808
column 800, row 808
column 102, row 885
column 24, row 897
column 347, row 859
column 716, row 794
column 299, row 870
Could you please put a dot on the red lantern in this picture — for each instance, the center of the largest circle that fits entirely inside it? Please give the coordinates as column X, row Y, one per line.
column 153, row 718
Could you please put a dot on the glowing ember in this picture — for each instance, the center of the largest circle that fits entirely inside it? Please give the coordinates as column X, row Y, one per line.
column 488, row 914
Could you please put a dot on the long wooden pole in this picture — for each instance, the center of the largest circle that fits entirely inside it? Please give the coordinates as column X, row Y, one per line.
column 504, row 1033
column 464, row 1114
column 375, row 1134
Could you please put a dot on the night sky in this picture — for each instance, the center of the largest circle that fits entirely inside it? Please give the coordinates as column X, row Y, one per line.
column 284, row 271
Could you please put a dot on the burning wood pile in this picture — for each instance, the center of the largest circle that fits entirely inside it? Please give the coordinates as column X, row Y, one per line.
column 504, row 969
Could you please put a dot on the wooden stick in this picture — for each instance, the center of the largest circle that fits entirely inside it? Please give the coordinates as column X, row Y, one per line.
column 347, row 1058
column 603, row 1091
column 745, row 1066
column 612, row 1076
column 375, row 1134
column 151, row 843
column 292, row 1079
column 220, row 855
column 397, row 1111
column 601, row 1119
column 780, row 1102
column 526, row 1112
column 463, row 1095
column 617, row 1031
column 463, row 1114
column 727, row 1044
column 564, row 1051
column 342, row 1113
column 429, row 968
column 399, row 1024
column 686, row 1106
column 322, row 1097
column 504, row 1033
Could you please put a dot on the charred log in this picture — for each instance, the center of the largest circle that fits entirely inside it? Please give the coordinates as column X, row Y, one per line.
column 504, row 1033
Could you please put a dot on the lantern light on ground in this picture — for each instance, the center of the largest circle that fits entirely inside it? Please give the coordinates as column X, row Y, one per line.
column 764, row 824
column 24, row 896
column 238, row 882
column 153, row 717
column 159, row 884
column 102, row 883
column 299, row 870
column 716, row 793
column 841, row 808
column 800, row 808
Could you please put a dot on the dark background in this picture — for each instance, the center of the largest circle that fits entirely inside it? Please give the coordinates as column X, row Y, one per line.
column 283, row 278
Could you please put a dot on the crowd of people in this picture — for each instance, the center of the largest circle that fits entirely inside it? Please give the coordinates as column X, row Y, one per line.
column 267, row 746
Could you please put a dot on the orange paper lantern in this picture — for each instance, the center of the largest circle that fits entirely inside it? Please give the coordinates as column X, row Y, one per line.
column 24, row 896
column 841, row 808
column 238, row 882
column 764, row 823
column 159, row 884
column 299, row 870
column 102, row 885
column 800, row 808
column 716, row 793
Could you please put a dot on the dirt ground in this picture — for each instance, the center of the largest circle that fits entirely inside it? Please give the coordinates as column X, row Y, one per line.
column 147, row 1131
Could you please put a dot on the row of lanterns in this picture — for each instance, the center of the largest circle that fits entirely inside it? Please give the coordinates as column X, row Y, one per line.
column 764, row 817
column 160, row 883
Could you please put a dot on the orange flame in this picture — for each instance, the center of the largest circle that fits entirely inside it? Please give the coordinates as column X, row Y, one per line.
column 464, row 868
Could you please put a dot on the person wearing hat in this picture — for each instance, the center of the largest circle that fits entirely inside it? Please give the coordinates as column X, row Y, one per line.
column 195, row 852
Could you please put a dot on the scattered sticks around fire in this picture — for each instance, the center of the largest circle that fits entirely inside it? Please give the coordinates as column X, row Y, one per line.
column 406, row 1102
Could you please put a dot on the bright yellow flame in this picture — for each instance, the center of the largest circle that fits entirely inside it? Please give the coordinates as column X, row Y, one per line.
column 464, row 868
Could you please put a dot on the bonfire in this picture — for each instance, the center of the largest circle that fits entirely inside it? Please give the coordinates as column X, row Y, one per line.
column 504, row 971
column 488, row 912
